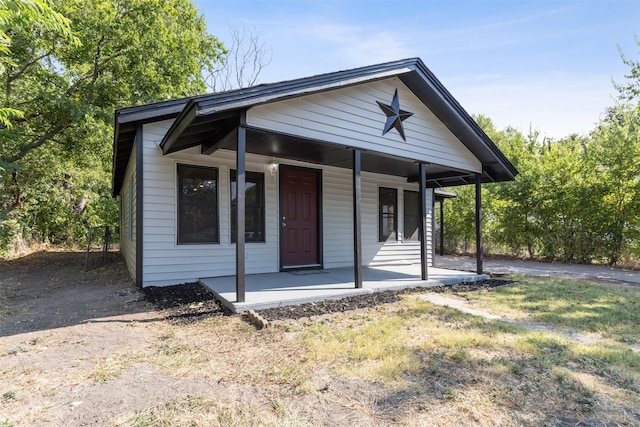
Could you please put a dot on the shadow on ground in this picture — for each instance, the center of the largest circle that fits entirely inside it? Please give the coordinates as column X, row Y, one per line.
column 47, row 290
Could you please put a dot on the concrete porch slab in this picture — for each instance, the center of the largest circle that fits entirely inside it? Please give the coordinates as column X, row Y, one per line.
column 305, row 286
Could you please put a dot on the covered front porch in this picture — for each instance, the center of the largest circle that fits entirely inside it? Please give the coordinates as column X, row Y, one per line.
column 312, row 130
column 306, row 286
column 335, row 172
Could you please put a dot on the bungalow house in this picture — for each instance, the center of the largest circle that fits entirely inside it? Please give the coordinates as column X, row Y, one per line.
column 334, row 170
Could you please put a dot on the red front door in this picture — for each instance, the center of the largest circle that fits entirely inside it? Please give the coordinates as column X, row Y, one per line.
column 299, row 243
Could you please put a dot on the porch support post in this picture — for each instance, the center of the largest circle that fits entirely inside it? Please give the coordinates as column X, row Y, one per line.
column 479, row 223
column 240, row 208
column 357, row 223
column 441, row 227
column 424, row 257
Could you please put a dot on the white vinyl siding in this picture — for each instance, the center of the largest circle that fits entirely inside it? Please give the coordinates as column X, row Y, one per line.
column 128, row 215
column 351, row 116
column 167, row 263
column 338, row 221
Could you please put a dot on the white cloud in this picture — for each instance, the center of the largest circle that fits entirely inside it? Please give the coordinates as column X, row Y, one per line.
column 354, row 44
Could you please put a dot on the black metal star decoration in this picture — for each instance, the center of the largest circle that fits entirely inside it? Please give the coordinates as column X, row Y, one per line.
column 395, row 116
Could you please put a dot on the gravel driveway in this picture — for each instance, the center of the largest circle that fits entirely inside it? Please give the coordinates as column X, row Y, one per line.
column 572, row 271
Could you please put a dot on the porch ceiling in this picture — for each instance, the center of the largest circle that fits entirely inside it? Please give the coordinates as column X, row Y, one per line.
column 291, row 147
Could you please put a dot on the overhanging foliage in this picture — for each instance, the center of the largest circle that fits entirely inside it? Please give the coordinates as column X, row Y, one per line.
column 63, row 74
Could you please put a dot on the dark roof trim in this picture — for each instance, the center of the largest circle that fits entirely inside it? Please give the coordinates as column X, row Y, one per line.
column 183, row 120
column 448, row 110
column 255, row 95
column 464, row 117
column 116, row 182
column 263, row 94
column 151, row 112
column 242, row 99
column 412, row 72
column 125, row 123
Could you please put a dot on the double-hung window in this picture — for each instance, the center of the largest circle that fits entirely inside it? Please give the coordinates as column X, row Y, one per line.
column 254, row 207
column 412, row 215
column 197, row 205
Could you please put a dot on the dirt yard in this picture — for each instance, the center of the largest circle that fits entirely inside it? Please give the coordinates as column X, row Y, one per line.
column 58, row 324
column 86, row 348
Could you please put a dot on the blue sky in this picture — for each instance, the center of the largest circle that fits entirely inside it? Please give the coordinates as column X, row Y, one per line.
column 544, row 64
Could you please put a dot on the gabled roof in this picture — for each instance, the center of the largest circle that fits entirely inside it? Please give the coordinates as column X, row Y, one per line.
column 223, row 108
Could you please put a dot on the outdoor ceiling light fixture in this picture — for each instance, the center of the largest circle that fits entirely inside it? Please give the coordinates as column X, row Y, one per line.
column 273, row 167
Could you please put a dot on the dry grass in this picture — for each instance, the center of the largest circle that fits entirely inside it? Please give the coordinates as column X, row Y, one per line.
column 587, row 307
column 200, row 411
column 409, row 363
column 229, row 349
column 463, row 369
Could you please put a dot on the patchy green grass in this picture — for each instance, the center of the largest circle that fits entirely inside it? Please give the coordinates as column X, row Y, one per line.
column 610, row 310
column 389, row 344
column 443, row 358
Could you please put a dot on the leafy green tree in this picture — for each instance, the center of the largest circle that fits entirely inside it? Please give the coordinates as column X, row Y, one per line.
column 507, row 221
column 614, row 157
column 510, row 206
column 563, row 201
column 575, row 199
column 459, row 220
column 131, row 52
column 630, row 90
column 23, row 14
column 57, row 153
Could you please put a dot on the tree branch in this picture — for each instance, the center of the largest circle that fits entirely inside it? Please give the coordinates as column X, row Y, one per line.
column 19, row 195
column 25, row 66
column 96, row 62
column 53, row 131
column 242, row 65
column 93, row 73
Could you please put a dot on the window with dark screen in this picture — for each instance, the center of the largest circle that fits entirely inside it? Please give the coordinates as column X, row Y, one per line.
column 254, row 207
column 197, row 205
column 411, row 215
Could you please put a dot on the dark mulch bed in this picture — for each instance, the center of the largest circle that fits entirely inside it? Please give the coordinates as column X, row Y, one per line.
column 185, row 303
column 190, row 302
column 487, row 284
column 330, row 306
column 369, row 300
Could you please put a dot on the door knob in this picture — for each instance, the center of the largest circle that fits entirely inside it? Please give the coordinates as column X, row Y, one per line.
column 284, row 224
